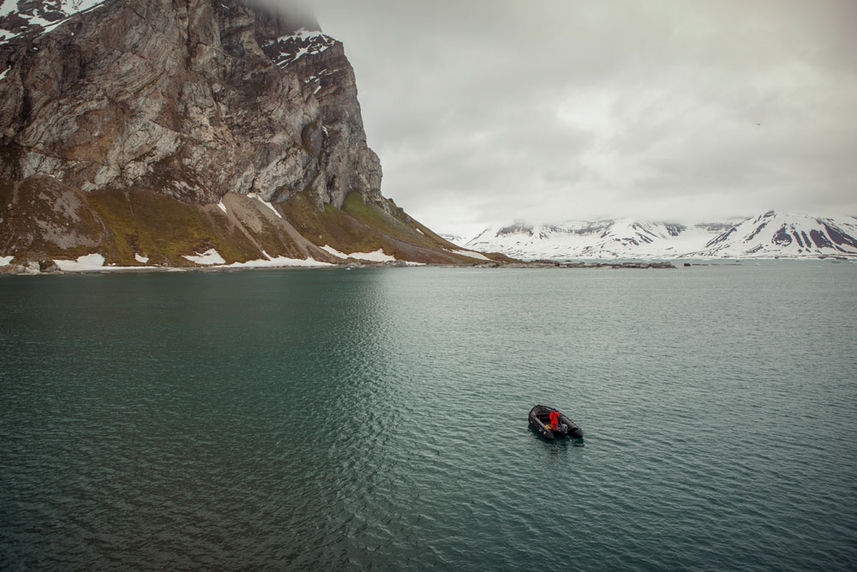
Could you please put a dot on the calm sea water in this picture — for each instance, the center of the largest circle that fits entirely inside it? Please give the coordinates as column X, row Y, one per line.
column 329, row 419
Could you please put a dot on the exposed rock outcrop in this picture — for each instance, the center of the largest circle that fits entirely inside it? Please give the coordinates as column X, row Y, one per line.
column 191, row 99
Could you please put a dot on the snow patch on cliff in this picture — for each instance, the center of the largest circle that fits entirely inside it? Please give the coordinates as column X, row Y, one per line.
column 213, row 259
column 7, row 7
column 376, row 256
column 279, row 262
column 207, row 258
column 84, row 263
column 43, row 16
column 210, row 258
column 299, row 44
column 330, row 250
column 471, row 254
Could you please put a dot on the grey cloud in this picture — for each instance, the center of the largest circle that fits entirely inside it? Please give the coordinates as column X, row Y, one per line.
column 488, row 111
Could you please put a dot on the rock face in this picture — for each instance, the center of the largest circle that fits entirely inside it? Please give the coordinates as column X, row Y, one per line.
column 190, row 101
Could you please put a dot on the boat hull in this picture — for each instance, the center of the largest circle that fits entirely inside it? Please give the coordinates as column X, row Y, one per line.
column 539, row 421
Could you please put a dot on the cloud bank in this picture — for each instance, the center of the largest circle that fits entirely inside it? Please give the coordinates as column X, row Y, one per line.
column 493, row 111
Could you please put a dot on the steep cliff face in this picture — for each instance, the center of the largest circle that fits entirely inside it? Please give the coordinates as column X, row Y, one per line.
column 190, row 101
column 193, row 99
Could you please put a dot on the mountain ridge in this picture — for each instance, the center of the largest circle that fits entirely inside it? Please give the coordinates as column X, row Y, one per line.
column 768, row 235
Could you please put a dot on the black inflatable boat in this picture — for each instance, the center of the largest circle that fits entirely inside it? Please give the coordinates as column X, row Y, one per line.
column 540, row 421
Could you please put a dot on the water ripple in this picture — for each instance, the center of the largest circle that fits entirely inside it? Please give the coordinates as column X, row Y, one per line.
column 378, row 420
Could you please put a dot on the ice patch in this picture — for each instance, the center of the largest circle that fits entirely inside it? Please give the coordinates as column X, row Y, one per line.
column 222, row 206
column 300, row 43
column 333, row 251
column 207, row 258
column 278, row 262
column 82, row 264
column 3, row 75
column 6, row 260
column 471, row 254
column 300, row 53
column 376, row 256
column 74, row 6
column 66, row 8
column 7, row 7
column 266, row 203
column 141, row 259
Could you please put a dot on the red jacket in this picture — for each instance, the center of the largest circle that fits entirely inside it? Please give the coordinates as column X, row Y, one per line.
column 554, row 417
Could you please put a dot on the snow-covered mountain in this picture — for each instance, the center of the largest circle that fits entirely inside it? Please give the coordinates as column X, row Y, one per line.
column 603, row 239
column 769, row 235
column 456, row 239
column 786, row 236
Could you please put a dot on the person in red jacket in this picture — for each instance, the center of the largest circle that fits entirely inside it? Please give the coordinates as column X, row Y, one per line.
column 554, row 417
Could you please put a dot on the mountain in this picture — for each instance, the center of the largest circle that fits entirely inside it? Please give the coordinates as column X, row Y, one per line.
column 159, row 131
column 457, row 239
column 770, row 235
column 603, row 239
column 775, row 235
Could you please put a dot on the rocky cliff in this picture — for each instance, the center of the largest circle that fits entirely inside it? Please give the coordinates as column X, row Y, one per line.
column 159, row 129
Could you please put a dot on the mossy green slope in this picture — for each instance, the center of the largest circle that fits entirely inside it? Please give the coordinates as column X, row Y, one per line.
column 43, row 219
column 366, row 226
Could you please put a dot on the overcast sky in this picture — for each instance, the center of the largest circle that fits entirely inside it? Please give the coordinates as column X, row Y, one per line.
column 491, row 111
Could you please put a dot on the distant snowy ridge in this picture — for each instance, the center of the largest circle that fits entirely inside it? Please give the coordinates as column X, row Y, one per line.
column 456, row 239
column 604, row 239
column 770, row 235
column 775, row 235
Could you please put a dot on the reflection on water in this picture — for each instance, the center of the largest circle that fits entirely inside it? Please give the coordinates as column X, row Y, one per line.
column 378, row 418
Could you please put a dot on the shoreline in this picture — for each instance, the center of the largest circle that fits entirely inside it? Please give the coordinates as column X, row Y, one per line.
column 53, row 270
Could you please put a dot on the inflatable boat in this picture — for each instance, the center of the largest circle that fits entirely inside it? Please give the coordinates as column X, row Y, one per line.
column 540, row 421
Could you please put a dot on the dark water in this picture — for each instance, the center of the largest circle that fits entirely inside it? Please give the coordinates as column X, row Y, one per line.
column 377, row 419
